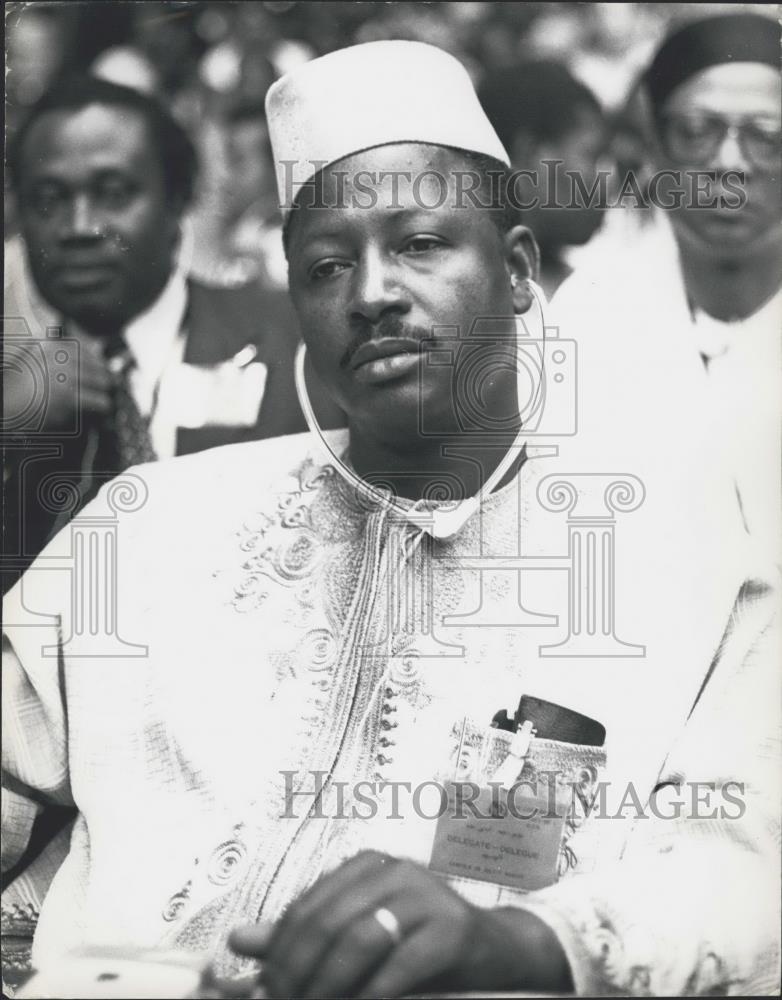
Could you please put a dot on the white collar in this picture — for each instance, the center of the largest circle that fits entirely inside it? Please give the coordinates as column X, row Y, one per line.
column 758, row 332
column 151, row 335
column 712, row 337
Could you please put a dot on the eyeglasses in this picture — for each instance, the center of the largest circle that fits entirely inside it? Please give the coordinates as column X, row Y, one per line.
column 696, row 139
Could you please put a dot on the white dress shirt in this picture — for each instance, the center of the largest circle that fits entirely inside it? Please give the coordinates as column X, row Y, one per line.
column 156, row 339
column 175, row 394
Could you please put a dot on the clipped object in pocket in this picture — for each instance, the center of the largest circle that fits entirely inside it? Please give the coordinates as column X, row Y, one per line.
column 508, row 771
column 552, row 722
column 523, row 834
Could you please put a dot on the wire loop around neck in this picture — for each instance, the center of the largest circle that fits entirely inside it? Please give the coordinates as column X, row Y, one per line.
column 440, row 523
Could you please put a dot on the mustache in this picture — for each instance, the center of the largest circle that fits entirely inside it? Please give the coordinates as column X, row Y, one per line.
column 388, row 326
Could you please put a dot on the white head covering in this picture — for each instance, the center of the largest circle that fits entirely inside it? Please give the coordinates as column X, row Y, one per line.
column 371, row 95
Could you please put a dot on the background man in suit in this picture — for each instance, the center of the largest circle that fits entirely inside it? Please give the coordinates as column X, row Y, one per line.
column 142, row 363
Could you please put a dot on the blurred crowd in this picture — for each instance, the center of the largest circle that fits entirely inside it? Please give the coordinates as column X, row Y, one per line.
column 147, row 316
column 212, row 64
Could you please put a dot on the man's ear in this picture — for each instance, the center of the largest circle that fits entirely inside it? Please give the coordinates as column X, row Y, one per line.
column 172, row 227
column 523, row 261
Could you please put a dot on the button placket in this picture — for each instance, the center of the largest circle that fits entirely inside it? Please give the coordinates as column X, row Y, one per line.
column 388, row 722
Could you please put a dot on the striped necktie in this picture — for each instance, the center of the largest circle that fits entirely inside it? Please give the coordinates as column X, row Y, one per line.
column 127, row 437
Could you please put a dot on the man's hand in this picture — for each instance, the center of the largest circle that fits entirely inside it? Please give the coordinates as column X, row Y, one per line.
column 52, row 382
column 330, row 943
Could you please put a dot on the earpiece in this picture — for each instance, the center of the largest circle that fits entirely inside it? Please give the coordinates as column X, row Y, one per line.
column 540, row 298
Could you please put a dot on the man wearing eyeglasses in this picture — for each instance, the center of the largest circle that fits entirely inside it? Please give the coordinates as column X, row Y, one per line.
column 696, row 305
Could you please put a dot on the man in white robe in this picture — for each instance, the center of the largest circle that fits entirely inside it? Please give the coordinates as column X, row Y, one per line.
column 697, row 296
column 212, row 654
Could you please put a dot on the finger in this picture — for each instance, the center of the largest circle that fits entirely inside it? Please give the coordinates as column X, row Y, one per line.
column 316, row 922
column 252, row 939
column 94, row 369
column 95, row 377
column 363, row 947
column 92, row 356
column 220, row 988
column 62, row 409
column 418, row 960
column 93, row 401
column 91, row 348
column 335, row 882
column 326, row 905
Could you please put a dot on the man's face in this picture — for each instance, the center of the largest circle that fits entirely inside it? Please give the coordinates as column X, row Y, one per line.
column 371, row 282
column 99, row 229
column 701, row 128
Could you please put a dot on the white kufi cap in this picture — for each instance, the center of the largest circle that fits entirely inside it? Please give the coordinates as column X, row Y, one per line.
column 371, row 95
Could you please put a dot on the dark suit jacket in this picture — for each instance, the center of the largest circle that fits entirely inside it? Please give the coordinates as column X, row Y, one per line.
column 219, row 323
